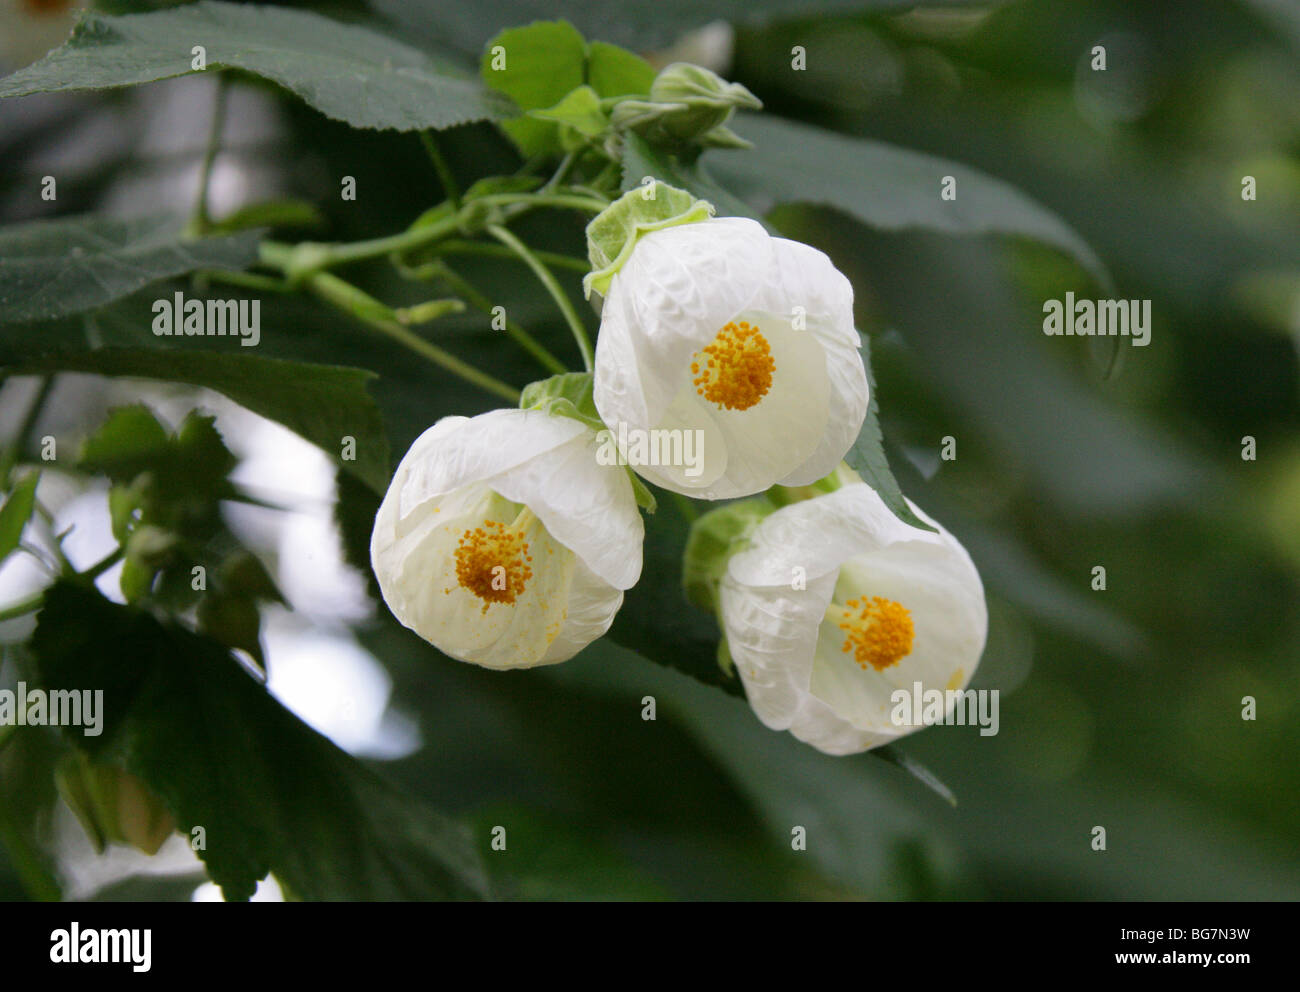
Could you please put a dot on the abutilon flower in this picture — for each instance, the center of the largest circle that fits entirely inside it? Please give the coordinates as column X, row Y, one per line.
column 502, row 542
column 835, row 604
column 718, row 327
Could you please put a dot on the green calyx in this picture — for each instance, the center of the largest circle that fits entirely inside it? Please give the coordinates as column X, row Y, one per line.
column 614, row 232
column 112, row 805
column 687, row 105
column 714, row 538
column 785, row 495
column 566, row 395
column 570, row 395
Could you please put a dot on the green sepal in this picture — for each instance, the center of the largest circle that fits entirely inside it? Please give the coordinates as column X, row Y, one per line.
column 614, row 232
column 714, row 538
column 644, row 497
column 579, row 111
column 566, row 395
column 112, row 805
column 687, row 104
column 725, row 661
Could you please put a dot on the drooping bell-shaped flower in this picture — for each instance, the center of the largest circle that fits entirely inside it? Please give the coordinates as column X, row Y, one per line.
column 718, row 328
column 503, row 542
column 834, row 603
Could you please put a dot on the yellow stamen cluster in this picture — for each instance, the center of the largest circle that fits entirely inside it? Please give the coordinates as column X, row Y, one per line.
column 878, row 632
column 492, row 562
column 737, row 367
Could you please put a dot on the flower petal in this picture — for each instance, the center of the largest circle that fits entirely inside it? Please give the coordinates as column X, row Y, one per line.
column 586, row 506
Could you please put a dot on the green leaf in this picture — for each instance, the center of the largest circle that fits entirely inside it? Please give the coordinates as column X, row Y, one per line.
column 346, row 71
column 641, row 24
column 580, row 110
column 885, row 187
column 614, row 71
column 270, row 793
column 690, row 642
column 321, row 403
column 129, row 442
column 536, row 66
column 15, row 513
column 569, row 394
column 58, row 267
column 867, row 456
column 553, row 860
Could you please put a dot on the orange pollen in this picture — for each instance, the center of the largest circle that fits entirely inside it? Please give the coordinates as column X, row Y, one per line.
column 736, row 367
column 492, row 562
column 878, row 632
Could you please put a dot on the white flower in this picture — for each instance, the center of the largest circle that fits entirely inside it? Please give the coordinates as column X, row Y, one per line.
column 502, row 542
column 32, row 27
column 878, row 606
column 718, row 327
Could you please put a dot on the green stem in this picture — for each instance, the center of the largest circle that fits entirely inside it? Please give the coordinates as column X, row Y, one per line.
column 103, row 565
column 575, row 201
column 22, row 607
column 562, row 171
column 453, row 246
column 309, row 256
column 525, row 340
column 247, row 280
column 202, row 219
column 14, row 451
column 440, row 166
column 377, row 315
column 547, row 279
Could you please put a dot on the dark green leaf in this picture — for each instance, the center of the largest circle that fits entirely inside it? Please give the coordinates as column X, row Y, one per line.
column 53, row 268
column 867, row 456
column 271, row 794
column 690, row 642
column 640, row 24
column 345, row 71
column 322, row 403
column 884, row 186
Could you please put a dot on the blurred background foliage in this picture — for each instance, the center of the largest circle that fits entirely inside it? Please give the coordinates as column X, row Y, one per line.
column 1120, row 708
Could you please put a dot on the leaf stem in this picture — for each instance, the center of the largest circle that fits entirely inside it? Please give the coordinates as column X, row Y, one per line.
column 14, row 451
column 552, row 258
column 382, row 318
column 202, row 219
column 449, row 187
column 22, row 607
column 525, row 340
column 547, row 279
